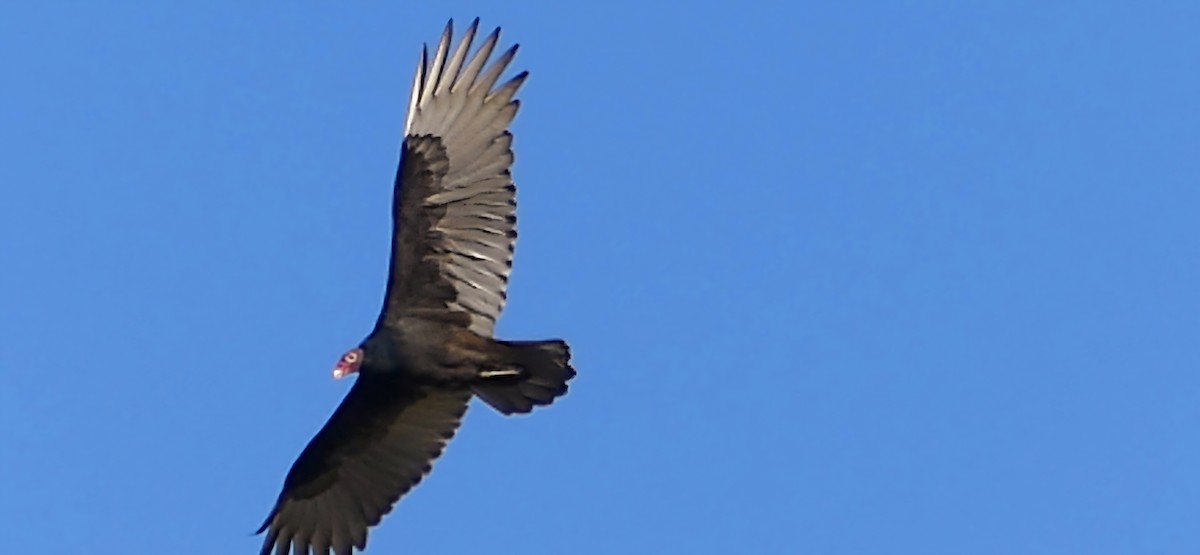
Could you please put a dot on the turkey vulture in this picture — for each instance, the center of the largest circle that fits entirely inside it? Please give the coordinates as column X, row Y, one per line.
column 454, row 227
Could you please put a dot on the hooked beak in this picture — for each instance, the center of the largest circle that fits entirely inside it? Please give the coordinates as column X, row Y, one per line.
column 340, row 371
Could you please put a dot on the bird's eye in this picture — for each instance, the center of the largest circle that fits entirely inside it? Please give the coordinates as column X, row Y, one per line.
column 352, row 357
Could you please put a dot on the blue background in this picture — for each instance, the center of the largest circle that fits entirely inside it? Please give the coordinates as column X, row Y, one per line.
column 847, row 277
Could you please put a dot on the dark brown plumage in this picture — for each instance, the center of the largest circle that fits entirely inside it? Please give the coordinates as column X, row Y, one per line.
column 454, row 216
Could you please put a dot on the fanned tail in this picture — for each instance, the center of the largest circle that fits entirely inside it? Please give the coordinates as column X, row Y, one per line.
column 539, row 374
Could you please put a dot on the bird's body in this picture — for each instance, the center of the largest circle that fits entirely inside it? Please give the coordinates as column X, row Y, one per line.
column 431, row 350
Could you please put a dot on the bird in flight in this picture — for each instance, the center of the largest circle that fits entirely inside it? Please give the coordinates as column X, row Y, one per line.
column 432, row 349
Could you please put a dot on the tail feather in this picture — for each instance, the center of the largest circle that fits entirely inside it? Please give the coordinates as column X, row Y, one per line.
column 544, row 369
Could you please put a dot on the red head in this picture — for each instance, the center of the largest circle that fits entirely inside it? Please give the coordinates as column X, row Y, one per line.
column 348, row 364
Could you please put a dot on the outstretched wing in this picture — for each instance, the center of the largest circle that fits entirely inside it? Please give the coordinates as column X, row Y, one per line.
column 379, row 443
column 454, row 206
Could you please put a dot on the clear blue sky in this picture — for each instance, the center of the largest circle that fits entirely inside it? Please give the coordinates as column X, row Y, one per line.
column 848, row 278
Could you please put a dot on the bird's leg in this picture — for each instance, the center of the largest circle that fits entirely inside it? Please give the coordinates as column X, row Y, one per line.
column 509, row 372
